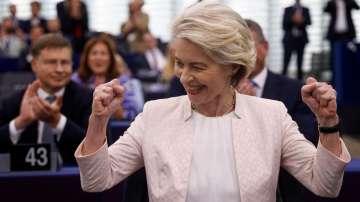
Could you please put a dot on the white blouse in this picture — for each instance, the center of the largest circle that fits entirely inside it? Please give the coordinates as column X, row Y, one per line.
column 213, row 175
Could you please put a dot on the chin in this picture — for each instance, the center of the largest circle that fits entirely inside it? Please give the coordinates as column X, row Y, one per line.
column 195, row 99
column 59, row 84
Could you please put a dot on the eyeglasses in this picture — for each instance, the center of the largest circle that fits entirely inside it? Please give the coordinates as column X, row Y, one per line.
column 55, row 62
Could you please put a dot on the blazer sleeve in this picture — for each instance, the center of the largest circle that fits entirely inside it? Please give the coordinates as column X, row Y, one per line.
column 306, row 121
column 287, row 22
column 108, row 166
column 316, row 168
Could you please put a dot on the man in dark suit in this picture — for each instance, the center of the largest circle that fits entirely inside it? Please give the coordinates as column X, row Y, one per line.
column 35, row 19
column 341, row 28
column 296, row 19
column 51, row 106
column 149, row 64
column 341, row 25
column 266, row 84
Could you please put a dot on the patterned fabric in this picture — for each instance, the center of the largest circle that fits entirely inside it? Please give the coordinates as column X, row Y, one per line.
column 131, row 103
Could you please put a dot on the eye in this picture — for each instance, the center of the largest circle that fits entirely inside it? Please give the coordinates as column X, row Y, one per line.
column 198, row 67
column 178, row 64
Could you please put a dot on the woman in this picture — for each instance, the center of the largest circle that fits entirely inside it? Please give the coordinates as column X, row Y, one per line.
column 99, row 64
column 213, row 144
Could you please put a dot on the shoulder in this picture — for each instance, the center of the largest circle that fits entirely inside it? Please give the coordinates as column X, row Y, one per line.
column 169, row 107
column 289, row 8
column 60, row 4
column 165, row 105
column 260, row 111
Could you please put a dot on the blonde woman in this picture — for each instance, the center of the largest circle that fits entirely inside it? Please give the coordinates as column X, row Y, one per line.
column 213, row 144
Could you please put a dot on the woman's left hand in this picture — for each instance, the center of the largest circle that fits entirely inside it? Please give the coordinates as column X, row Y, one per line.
column 321, row 99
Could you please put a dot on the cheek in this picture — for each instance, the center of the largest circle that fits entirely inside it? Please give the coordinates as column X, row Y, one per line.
column 106, row 59
column 177, row 72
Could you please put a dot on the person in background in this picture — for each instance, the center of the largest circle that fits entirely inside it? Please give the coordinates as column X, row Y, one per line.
column 341, row 28
column 295, row 21
column 153, row 53
column 133, row 29
column 264, row 83
column 35, row 19
column 25, row 58
column 52, row 107
column 213, row 143
column 98, row 65
column 11, row 44
column 53, row 26
column 74, row 22
column 152, row 61
column 13, row 15
column 168, row 75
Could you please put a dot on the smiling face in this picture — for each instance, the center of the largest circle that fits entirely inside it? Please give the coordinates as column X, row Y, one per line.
column 207, row 83
column 53, row 68
column 99, row 59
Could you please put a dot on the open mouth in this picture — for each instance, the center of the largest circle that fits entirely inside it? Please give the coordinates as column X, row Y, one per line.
column 195, row 90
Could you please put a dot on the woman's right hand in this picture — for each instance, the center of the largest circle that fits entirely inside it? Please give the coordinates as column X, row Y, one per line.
column 106, row 99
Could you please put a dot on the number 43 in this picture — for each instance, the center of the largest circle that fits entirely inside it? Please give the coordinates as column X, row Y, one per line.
column 40, row 152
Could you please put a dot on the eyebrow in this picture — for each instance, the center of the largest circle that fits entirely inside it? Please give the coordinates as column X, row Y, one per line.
column 193, row 63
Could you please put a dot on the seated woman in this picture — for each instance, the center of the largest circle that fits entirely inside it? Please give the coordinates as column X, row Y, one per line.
column 99, row 64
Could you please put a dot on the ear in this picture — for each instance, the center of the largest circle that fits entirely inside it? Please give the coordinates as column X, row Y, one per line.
column 265, row 47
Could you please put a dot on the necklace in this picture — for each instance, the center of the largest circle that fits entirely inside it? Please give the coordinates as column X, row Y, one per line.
column 227, row 111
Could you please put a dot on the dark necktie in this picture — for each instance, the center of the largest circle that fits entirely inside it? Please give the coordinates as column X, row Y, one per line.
column 49, row 137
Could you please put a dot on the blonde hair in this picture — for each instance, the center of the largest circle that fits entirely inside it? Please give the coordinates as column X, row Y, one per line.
column 221, row 33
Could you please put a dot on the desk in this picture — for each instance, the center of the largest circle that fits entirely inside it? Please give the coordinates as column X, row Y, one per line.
column 43, row 186
column 8, row 64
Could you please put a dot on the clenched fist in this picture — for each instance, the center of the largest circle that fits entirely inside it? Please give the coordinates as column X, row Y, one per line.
column 321, row 99
column 106, row 99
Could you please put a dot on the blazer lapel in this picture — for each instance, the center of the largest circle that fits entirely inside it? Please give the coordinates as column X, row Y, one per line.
column 249, row 165
column 182, row 147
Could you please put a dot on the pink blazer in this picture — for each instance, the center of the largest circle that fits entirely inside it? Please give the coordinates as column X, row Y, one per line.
column 264, row 138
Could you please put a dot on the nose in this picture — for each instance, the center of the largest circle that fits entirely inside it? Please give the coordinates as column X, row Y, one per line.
column 59, row 66
column 185, row 75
